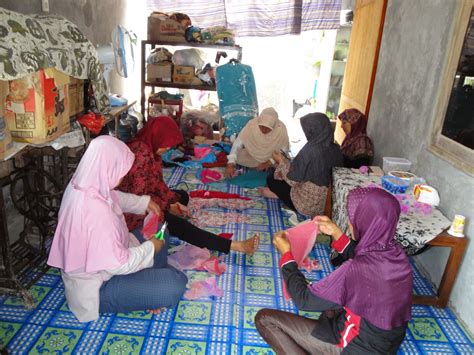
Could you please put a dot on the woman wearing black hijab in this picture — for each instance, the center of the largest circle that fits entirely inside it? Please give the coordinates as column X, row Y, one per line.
column 302, row 184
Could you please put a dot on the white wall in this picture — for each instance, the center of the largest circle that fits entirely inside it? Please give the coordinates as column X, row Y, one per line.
column 412, row 58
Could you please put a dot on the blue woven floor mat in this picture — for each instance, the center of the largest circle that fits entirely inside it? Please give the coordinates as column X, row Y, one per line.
column 211, row 325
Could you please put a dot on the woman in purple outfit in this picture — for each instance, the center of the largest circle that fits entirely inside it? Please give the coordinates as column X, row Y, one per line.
column 365, row 303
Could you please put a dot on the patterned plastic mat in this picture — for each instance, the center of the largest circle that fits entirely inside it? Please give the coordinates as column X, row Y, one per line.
column 209, row 325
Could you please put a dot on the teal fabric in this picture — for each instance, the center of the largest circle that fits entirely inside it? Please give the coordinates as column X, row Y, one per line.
column 237, row 96
column 251, row 179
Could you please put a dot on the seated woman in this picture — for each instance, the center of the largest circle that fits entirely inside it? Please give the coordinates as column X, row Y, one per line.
column 357, row 148
column 101, row 269
column 146, row 178
column 256, row 142
column 302, row 184
column 366, row 302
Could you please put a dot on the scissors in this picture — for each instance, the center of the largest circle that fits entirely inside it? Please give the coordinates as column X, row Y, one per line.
column 285, row 154
column 161, row 233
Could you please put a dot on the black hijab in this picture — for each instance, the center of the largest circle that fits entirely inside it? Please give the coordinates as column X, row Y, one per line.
column 317, row 158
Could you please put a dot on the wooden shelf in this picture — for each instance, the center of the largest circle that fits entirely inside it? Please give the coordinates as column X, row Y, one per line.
column 169, row 84
column 195, row 45
column 145, row 49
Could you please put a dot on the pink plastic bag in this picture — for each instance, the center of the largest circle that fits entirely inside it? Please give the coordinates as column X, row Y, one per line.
column 201, row 152
column 214, row 266
column 150, row 225
column 208, row 175
column 189, row 257
column 302, row 238
column 204, row 288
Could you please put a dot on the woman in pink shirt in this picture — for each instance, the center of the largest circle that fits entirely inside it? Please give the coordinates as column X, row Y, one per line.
column 105, row 268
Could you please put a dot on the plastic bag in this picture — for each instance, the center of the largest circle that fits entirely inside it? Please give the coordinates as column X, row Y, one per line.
column 302, row 238
column 150, row 225
column 188, row 258
column 189, row 56
column 93, row 122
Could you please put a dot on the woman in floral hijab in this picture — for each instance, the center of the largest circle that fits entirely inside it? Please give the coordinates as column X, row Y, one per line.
column 357, row 147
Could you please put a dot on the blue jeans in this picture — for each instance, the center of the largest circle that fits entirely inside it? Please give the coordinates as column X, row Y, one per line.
column 152, row 288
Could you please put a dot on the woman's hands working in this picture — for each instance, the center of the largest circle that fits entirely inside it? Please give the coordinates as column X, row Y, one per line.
column 153, row 207
column 157, row 243
column 230, row 171
column 280, row 241
column 278, row 157
column 179, row 210
column 328, row 227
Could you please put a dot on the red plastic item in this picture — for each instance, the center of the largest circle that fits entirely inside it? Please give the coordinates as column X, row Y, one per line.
column 93, row 122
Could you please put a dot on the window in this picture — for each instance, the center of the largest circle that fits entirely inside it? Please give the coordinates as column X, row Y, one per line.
column 453, row 136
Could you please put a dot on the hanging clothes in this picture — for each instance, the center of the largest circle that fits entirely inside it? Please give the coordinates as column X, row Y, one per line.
column 237, row 94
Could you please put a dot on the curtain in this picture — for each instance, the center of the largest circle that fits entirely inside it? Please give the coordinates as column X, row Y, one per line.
column 256, row 18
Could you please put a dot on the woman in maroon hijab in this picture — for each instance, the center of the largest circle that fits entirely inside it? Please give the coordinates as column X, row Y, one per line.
column 357, row 148
column 366, row 302
column 146, row 178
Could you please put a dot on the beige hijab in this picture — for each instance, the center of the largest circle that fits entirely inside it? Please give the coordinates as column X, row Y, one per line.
column 259, row 145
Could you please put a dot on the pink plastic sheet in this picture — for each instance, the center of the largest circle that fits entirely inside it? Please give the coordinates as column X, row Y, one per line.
column 214, row 266
column 302, row 238
column 150, row 225
column 189, row 257
column 204, row 288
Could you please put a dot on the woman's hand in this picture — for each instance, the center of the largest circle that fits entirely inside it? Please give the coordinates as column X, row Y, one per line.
column 280, row 241
column 179, row 210
column 157, row 243
column 230, row 171
column 153, row 207
column 264, row 166
column 278, row 157
column 328, row 227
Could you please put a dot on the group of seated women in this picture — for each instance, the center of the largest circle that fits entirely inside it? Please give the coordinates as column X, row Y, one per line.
column 301, row 183
column 108, row 266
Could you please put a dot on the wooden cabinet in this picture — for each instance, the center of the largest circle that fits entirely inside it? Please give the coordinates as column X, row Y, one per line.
column 148, row 46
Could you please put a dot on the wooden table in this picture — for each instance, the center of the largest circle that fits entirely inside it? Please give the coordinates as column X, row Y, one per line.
column 415, row 230
column 116, row 112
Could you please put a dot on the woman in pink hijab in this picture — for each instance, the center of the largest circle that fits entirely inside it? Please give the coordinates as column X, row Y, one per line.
column 103, row 267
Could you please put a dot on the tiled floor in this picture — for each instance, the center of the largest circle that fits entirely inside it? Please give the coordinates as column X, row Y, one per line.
column 209, row 325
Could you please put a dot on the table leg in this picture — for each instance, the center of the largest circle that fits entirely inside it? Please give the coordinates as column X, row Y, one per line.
column 457, row 248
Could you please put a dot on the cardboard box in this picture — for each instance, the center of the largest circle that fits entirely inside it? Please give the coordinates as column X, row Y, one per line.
column 158, row 72
column 6, row 142
column 183, row 74
column 76, row 96
column 37, row 106
column 162, row 28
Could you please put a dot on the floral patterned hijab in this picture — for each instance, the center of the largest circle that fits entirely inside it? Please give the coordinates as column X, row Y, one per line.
column 356, row 143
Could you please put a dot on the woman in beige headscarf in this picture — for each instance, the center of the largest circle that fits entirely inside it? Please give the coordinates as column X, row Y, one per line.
column 257, row 141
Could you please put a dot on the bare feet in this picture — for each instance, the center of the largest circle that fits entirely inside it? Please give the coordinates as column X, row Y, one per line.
column 266, row 192
column 247, row 246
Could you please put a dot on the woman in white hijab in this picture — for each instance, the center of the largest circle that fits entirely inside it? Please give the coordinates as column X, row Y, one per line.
column 257, row 141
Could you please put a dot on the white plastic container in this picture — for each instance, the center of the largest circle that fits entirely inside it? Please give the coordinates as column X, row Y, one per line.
column 400, row 164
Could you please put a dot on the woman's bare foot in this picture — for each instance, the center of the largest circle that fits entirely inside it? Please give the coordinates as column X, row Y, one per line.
column 247, row 246
column 266, row 192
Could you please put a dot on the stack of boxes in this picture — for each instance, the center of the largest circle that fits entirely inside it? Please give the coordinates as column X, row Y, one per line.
column 162, row 28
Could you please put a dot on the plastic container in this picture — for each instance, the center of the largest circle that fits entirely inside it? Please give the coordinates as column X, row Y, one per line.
column 394, row 185
column 399, row 164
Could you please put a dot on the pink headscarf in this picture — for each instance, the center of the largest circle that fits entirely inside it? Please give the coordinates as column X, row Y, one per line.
column 92, row 234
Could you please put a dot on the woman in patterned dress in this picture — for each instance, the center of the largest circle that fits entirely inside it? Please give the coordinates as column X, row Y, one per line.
column 302, row 184
column 146, row 178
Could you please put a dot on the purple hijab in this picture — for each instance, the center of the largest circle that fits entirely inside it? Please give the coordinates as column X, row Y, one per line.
column 377, row 283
